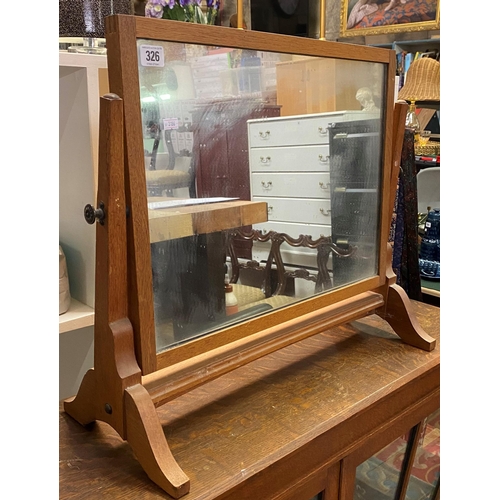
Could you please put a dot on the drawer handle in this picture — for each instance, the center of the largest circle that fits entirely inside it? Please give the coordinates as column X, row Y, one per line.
column 322, row 185
column 322, row 131
column 325, row 212
column 265, row 135
column 267, row 185
column 324, row 159
column 265, row 160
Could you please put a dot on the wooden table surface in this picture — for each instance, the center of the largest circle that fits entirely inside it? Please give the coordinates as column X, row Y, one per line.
column 179, row 222
column 223, row 433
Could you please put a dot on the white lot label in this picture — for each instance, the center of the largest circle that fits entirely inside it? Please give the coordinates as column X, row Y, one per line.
column 170, row 123
column 152, row 55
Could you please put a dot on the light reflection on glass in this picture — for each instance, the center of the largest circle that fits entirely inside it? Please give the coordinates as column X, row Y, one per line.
column 301, row 135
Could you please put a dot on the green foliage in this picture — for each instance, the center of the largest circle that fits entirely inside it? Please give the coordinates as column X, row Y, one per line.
column 177, row 13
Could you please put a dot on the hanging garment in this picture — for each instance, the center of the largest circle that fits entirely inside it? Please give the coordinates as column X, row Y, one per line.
column 405, row 222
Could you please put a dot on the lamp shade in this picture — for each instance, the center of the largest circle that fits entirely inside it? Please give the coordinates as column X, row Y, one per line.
column 85, row 18
column 422, row 81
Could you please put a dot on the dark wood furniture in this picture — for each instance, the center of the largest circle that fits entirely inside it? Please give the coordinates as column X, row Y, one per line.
column 287, row 426
column 273, row 278
column 220, row 142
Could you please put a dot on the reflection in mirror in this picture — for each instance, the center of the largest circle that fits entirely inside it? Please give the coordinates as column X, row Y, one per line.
column 263, row 173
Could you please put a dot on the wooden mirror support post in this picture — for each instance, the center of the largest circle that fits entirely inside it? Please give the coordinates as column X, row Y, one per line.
column 397, row 310
column 122, row 389
column 112, row 391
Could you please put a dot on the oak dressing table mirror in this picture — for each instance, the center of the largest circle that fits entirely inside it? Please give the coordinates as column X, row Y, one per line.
column 221, row 146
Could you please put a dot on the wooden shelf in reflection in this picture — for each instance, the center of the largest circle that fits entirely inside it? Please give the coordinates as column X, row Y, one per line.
column 179, row 222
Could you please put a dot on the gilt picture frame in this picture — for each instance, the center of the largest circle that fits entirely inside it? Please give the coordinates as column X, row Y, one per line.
column 375, row 17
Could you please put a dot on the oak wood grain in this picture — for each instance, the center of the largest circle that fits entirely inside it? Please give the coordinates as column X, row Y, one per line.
column 115, row 367
column 124, row 81
column 223, row 36
column 179, row 222
column 280, row 421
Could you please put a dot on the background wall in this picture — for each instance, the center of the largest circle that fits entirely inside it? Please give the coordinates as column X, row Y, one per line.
column 332, row 28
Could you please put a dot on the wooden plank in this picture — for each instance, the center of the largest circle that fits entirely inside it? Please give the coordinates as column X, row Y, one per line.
column 175, row 380
column 224, row 36
column 124, row 81
column 179, row 222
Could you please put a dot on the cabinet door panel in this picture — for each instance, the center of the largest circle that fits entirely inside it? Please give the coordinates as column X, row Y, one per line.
column 408, row 468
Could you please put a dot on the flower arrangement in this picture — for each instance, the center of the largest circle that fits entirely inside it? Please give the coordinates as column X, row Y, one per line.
column 183, row 10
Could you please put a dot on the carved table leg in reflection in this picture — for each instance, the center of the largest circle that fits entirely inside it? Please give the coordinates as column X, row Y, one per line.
column 188, row 283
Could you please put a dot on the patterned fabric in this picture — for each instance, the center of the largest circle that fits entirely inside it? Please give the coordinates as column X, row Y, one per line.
column 405, row 246
column 247, row 295
column 378, row 477
column 413, row 11
column 392, row 229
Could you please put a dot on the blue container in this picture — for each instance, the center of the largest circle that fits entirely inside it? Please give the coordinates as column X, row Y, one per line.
column 432, row 224
column 429, row 249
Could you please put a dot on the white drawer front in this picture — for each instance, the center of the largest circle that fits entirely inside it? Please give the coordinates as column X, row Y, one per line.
column 302, row 210
column 290, row 159
column 297, row 130
column 300, row 185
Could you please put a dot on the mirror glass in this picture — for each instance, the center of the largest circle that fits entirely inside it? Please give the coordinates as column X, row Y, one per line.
column 263, row 173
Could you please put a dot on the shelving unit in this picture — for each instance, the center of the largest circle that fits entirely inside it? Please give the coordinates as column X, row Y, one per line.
column 82, row 80
column 77, row 316
column 412, row 45
column 93, row 70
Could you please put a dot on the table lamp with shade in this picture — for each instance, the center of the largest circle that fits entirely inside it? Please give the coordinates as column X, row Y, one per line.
column 422, row 86
column 85, row 18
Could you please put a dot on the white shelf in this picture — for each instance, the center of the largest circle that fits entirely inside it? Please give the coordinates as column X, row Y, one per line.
column 77, row 316
column 76, row 60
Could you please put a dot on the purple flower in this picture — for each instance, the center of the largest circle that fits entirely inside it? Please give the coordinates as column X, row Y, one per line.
column 171, row 4
column 154, row 8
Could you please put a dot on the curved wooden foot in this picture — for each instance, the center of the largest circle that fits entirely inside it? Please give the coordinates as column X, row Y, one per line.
column 147, row 440
column 399, row 315
column 81, row 407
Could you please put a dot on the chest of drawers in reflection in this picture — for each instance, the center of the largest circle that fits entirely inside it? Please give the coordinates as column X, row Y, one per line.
column 320, row 176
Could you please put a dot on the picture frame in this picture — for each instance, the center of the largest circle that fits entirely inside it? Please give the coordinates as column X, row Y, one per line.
column 370, row 17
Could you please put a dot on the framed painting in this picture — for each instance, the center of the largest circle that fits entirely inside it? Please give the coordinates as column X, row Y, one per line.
column 375, row 17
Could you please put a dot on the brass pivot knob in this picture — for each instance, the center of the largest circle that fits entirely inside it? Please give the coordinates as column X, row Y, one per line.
column 91, row 214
